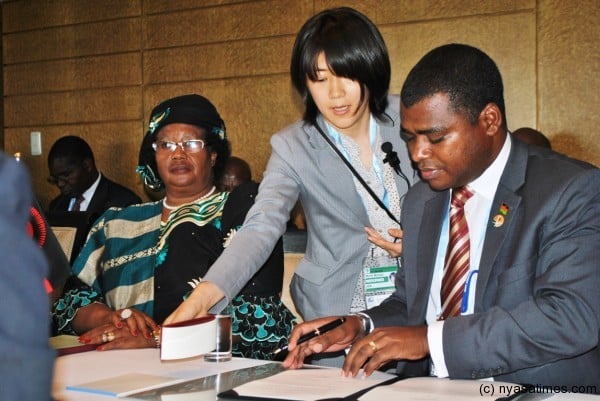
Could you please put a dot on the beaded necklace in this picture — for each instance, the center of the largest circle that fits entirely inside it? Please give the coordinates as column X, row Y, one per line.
column 206, row 195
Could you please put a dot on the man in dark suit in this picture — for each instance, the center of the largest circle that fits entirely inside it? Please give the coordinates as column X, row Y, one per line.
column 528, row 308
column 85, row 193
column 73, row 170
column 26, row 358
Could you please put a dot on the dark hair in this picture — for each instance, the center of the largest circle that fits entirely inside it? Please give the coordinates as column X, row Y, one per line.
column 354, row 49
column 469, row 77
column 215, row 143
column 187, row 109
column 72, row 148
column 532, row 136
column 241, row 167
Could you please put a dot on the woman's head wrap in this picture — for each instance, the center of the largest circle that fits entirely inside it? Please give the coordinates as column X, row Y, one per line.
column 187, row 109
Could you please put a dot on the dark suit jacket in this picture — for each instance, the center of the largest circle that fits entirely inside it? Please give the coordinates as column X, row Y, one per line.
column 537, row 306
column 108, row 194
column 26, row 359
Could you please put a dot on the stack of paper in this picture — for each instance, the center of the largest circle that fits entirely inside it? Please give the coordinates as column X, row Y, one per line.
column 125, row 385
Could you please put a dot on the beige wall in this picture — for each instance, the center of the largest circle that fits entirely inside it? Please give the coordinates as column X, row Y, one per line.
column 95, row 68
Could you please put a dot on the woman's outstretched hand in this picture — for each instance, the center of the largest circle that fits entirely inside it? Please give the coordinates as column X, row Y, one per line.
column 202, row 298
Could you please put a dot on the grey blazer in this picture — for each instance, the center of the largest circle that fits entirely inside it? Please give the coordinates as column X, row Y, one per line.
column 302, row 165
column 537, row 306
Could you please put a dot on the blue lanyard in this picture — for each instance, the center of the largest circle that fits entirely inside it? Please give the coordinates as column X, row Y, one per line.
column 72, row 203
column 464, row 307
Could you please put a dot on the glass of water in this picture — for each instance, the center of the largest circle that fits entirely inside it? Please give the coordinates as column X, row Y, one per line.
column 222, row 351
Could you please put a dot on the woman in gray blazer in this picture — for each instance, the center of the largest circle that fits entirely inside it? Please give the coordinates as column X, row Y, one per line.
column 340, row 67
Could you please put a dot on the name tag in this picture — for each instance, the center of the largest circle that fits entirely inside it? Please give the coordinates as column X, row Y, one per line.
column 379, row 283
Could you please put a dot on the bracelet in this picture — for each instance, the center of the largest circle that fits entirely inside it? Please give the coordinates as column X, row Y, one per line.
column 156, row 336
column 365, row 321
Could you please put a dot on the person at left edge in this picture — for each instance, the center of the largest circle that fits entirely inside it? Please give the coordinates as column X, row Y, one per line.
column 148, row 257
column 26, row 358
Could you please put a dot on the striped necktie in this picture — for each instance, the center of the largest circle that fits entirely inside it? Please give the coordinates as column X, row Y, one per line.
column 456, row 266
column 77, row 204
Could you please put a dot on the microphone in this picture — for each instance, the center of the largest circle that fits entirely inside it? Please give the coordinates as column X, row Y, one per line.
column 391, row 157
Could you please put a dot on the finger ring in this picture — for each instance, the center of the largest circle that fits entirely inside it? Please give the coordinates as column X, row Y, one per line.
column 104, row 337
column 373, row 346
column 110, row 336
column 126, row 313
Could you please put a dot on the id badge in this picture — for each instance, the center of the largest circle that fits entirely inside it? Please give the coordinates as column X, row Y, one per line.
column 379, row 280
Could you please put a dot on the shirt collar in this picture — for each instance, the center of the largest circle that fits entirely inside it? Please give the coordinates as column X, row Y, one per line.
column 486, row 184
column 87, row 195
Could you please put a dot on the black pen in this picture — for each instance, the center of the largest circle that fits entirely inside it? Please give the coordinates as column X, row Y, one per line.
column 318, row 331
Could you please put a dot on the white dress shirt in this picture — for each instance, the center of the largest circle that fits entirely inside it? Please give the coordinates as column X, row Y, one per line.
column 87, row 196
column 477, row 210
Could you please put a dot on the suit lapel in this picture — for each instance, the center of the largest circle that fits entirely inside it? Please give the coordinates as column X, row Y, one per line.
column 429, row 236
column 98, row 200
column 504, row 207
column 336, row 175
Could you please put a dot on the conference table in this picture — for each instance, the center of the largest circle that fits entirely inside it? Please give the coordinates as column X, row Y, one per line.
column 199, row 380
column 85, row 376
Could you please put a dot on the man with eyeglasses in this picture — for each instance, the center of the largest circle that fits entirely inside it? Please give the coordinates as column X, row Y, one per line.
column 82, row 187
column 85, row 193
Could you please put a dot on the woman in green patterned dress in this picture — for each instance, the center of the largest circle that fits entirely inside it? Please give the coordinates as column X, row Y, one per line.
column 146, row 258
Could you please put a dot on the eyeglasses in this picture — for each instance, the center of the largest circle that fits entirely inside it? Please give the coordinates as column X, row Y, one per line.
column 189, row 146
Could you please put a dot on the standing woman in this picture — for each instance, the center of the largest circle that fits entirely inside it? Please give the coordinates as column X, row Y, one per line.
column 140, row 262
column 340, row 67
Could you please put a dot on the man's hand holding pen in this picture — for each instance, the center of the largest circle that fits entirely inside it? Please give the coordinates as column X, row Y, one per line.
column 384, row 345
column 368, row 352
column 336, row 339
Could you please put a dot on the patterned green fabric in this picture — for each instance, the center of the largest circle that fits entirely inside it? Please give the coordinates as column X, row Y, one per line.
column 202, row 213
column 122, row 256
column 263, row 324
column 121, row 253
column 76, row 295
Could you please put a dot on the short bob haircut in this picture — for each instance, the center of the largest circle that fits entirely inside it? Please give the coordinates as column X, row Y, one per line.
column 468, row 75
column 354, row 49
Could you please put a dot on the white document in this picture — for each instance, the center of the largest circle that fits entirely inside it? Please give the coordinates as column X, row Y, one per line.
column 124, row 385
column 188, row 339
column 309, row 384
column 83, row 369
